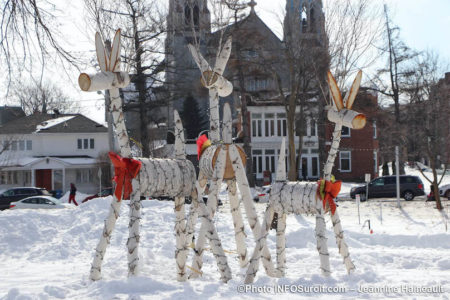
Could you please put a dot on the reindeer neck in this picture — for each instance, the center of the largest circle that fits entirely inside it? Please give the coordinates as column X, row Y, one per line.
column 214, row 122
column 119, row 123
column 333, row 151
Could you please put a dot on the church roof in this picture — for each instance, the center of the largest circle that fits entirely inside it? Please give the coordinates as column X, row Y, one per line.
column 251, row 23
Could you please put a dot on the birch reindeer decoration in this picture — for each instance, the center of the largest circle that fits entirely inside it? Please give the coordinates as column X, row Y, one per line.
column 223, row 161
column 145, row 176
column 311, row 198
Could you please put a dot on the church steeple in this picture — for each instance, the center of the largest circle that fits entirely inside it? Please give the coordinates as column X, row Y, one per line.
column 252, row 5
column 185, row 14
column 304, row 20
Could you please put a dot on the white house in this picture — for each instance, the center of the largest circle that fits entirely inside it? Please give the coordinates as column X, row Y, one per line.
column 52, row 151
column 268, row 125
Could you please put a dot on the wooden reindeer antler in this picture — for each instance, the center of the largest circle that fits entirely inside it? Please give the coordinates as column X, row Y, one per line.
column 217, row 85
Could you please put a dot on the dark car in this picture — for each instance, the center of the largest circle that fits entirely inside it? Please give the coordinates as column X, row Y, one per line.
column 386, row 187
column 18, row 193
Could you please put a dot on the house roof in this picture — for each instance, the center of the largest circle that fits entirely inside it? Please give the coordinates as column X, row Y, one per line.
column 9, row 113
column 51, row 123
column 29, row 161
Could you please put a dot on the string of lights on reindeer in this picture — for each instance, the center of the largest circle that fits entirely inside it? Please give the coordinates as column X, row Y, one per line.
column 220, row 160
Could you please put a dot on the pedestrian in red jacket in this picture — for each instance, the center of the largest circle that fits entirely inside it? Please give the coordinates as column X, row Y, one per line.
column 73, row 192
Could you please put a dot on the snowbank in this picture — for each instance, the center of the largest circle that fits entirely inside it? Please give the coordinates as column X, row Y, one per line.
column 46, row 254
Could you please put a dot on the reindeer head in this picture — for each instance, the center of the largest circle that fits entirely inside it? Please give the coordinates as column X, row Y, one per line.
column 341, row 112
column 110, row 75
column 212, row 78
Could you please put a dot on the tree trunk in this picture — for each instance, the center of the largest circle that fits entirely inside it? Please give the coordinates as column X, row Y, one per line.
column 244, row 113
column 292, row 174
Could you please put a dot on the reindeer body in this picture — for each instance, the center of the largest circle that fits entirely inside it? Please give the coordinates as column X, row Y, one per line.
column 156, row 177
column 303, row 197
column 224, row 161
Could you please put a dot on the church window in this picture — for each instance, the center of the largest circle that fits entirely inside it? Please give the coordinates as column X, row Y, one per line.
column 187, row 15
column 196, row 16
column 304, row 17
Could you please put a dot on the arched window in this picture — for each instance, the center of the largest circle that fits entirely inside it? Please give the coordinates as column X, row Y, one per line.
column 304, row 18
column 313, row 18
column 187, row 15
column 196, row 16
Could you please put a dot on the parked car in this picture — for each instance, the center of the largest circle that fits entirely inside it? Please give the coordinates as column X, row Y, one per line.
column 18, row 193
column 444, row 191
column 45, row 202
column 386, row 187
column 263, row 196
column 104, row 193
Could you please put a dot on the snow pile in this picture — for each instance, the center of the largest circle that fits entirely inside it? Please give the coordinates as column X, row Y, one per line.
column 46, row 254
column 52, row 122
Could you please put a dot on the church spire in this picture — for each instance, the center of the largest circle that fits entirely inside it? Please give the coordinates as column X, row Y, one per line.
column 252, row 5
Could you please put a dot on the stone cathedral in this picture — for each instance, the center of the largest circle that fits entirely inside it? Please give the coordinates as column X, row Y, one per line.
column 260, row 53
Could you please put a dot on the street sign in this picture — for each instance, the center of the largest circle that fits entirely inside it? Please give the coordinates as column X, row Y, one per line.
column 367, row 177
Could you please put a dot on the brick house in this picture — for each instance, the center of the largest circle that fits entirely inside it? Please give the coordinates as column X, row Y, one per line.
column 359, row 149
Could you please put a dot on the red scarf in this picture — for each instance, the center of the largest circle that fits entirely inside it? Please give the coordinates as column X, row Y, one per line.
column 125, row 169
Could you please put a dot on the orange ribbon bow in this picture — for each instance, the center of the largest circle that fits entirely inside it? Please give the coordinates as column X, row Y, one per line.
column 328, row 191
column 125, row 169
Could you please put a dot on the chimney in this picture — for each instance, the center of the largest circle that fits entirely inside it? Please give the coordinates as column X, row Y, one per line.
column 447, row 77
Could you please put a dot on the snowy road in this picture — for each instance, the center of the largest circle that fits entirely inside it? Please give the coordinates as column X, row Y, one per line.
column 47, row 254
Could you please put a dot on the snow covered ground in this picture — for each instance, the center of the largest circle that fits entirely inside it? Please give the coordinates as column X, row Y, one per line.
column 46, row 254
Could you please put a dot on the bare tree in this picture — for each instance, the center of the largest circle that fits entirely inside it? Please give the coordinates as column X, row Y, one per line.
column 143, row 28
column 36, row 97
column 398, row 70
column 428, row 111
column 29, row 32
column 354, row 29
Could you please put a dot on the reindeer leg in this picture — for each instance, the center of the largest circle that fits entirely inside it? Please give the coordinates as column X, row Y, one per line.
column 250, row 208
column 239, row 231
column 281, row 244
column 211, row 234
column 322, row 245
column 216, row 184
column 100, row 250
column 342, row 246
column 216, row 245
column 180, row 232
column 259, row 246
column 193, row 212
column 133, row 228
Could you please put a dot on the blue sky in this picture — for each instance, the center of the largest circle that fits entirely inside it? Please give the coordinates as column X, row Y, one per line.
column 424, row 24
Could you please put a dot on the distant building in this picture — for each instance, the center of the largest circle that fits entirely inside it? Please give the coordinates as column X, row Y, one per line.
column 258, row 43
column 51, row 151
column 9, row 113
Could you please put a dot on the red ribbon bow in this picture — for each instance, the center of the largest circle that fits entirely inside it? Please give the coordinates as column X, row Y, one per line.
column 329, row 193
column 125, row 169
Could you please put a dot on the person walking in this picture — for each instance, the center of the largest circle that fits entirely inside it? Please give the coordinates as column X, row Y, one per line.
column 73, row 192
